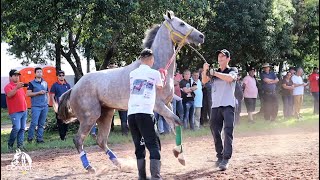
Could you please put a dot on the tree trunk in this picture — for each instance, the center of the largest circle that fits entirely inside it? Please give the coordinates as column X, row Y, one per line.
column 88, row 64
column 280, row 69
column 97, row 62
column 58, row 54
column 107, row 59
column 78, row 61
column 78, row 74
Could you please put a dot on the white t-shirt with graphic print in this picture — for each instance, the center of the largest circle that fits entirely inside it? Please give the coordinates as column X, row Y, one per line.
column 143, row 82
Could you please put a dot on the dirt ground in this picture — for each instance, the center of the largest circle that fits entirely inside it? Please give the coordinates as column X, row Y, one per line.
column 272, row 155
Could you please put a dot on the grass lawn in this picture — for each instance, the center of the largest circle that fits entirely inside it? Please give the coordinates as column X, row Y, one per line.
column 53, row 141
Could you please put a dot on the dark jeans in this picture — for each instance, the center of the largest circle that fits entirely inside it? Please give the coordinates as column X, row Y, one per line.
column 62, row 128
column 287, row 105
column 142, row 126
column 315, row 102
column 270, row 106
column 188, row 114
column 124, row 122
column 222, row 117
column 177, row 108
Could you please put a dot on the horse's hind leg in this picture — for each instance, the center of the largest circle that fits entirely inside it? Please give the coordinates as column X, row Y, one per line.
column 104, row 125
column 86, row 123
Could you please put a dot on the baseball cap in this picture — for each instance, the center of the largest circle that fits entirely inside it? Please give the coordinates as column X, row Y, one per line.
column 14, row 71
column 60, row 72
column 223, row 51
column 251, row 68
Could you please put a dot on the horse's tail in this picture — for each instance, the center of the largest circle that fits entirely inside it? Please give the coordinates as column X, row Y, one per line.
column 65, row 112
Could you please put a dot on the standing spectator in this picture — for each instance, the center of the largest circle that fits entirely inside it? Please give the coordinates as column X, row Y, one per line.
column 314, row 89
column 38, row 91
column 286, row 92
column 238, row 93
column 124, row 122
column 250, row 92
column 163, row 126
column 292, row 70
column 269, row 81
column 223, row 104
column 144, row 80
column 177, row 100
column 206, row 103
column 57, row 89
column 187, row 94
column 298, row 92
column 17, row 109
column 197, row 99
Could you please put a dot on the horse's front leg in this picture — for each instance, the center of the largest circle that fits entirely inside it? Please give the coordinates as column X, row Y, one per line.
column 172, row 119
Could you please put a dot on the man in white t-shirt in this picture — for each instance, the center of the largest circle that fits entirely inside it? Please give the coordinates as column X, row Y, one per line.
column 143, row 84
column 298, row 91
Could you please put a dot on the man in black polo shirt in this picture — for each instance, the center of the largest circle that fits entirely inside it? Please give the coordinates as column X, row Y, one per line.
column 57, row 89
column 223, row 105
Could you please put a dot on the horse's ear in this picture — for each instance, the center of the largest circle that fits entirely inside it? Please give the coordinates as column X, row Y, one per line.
column 169, row 15
column 16, row 151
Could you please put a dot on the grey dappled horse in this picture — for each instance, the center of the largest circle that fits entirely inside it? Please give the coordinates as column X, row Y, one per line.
column 96, row 95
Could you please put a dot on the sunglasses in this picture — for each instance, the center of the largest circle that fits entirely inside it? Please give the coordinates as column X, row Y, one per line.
column 61, row 75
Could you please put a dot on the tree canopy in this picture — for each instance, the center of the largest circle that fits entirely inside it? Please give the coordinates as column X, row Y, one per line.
column 275, row 31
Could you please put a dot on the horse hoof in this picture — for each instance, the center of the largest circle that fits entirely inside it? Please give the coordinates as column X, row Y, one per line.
column 116, row 163
column 181, row 159
column 91, row 170
column 177, row 150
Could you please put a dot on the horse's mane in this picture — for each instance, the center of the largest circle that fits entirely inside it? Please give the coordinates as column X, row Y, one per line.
column 150, row 35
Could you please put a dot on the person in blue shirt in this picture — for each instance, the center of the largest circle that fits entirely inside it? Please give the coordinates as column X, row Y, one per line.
column 57, row 89
column 270, row 99
column 38, row 91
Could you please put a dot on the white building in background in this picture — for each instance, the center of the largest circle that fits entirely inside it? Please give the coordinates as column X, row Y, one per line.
column 9, row 62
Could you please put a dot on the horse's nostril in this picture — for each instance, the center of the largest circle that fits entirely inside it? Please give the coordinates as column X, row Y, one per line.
column 201, row 36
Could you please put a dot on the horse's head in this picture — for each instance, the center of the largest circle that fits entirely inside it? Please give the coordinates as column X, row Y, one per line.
column 182, row 31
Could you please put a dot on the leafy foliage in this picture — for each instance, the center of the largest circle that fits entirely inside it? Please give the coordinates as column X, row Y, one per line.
column 275, row 31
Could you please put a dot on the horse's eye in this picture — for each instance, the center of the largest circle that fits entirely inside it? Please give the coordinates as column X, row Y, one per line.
column 182, row 24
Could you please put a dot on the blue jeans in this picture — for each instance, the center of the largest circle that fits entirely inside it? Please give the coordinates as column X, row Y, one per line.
column 315, row 102
column 177, row 108
column 18, row 120
column 38, row 118
column 163, row 126
column 188, row 114
column 287, row 105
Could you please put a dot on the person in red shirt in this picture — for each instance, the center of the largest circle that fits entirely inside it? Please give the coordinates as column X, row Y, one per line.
column 17, row 108
column 314, row 89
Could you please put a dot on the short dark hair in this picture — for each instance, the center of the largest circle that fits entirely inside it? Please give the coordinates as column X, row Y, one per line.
column 315, row 68
column 37, row 68
column 146, row 53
